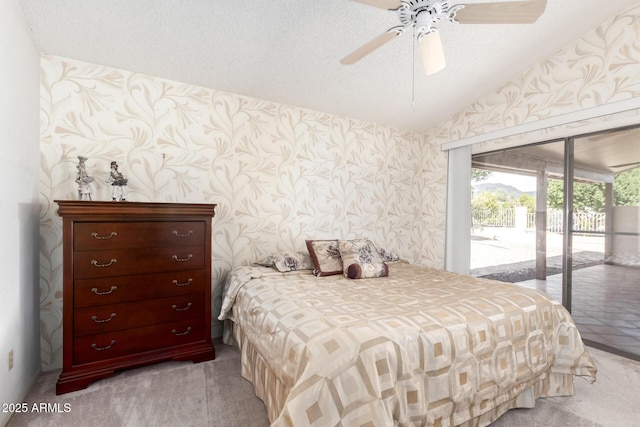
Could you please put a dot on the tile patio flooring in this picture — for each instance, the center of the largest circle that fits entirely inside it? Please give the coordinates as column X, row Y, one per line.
column 605, row 304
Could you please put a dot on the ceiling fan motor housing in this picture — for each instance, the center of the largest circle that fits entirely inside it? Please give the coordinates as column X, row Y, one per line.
column 425, row 14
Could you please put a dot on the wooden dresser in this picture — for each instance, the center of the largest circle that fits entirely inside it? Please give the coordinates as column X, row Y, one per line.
column 136, row 286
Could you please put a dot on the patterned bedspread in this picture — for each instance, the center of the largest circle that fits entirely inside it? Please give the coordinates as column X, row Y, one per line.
column 420, row 347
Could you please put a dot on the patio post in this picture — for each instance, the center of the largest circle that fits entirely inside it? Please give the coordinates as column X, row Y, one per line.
column 542, row 178
column 608, row 223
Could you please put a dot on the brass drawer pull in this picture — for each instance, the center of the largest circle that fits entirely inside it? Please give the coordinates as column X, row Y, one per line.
column 175, row 257
column 97, row 292
column 95, row 263
column 175, row 307
column 108, row 319
column 95, row 346
column 176, row 233
column 97, row 236
column 179, row 334
column 188, row 282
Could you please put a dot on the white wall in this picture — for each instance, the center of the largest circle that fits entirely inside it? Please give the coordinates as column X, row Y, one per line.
column 625, row 249
column 19, row 207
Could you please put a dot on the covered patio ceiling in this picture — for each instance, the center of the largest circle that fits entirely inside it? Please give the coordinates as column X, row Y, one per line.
column 597, row 158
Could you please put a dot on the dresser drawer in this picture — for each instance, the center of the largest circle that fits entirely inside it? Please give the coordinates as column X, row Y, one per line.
column 93, row 348
column 118, row 262
column 112, row 290
column 100, row 319
column 118, row 235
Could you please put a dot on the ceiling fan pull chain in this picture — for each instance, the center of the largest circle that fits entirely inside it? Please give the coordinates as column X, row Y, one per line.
column 413, row 71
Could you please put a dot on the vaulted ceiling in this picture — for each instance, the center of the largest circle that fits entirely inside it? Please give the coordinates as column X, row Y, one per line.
column 288, row 51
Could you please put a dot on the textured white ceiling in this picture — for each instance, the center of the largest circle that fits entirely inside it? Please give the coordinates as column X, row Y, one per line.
column 288, row 51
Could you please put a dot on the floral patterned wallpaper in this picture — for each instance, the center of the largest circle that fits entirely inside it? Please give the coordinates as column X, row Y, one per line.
column 599, row 68
column 279, row 174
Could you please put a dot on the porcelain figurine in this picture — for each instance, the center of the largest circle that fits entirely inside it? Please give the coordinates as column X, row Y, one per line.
column 118, row 184
column 83, row 179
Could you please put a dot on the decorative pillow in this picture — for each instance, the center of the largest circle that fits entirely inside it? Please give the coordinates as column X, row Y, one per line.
column 388, row 256
column 367, row 270
column 360, row 259
column 285, row 261
column 325, row 257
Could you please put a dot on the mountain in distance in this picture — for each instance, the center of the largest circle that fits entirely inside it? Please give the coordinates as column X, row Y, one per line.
column 494, row 187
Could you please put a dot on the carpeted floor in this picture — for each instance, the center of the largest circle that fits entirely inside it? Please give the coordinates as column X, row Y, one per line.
column 214, row 394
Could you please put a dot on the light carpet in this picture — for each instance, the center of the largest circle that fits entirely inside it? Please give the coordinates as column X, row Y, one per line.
column 214, row 394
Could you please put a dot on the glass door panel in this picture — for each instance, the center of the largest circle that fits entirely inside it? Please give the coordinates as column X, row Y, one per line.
column 516, row 225
column 605, row 240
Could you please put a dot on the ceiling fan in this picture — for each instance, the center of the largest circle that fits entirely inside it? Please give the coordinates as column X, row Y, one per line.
column 424, row 15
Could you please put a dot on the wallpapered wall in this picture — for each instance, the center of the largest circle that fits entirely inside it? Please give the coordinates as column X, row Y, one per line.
column 279, row 174
column 599, row 68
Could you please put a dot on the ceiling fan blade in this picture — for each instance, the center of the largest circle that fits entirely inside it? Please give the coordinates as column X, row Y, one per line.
column 432, row 53
column 516, row 12
column 382, row 4
column 369, row 47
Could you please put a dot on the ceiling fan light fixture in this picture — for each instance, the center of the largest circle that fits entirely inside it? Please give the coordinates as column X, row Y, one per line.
column 432, row 53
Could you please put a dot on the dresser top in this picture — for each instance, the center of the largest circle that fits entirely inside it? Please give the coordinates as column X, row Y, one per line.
column 129, row 210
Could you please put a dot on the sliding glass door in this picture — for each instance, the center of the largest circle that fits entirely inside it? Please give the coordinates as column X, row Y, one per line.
column 578, row 236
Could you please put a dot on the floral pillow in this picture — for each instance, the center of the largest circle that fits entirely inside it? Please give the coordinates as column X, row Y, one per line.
column 361, row 259
column 388, row 256
column 286, row 261
column 325, row 257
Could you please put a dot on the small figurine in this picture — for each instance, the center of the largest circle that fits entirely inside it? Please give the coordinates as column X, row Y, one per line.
column 83, row 179
column 118, row 184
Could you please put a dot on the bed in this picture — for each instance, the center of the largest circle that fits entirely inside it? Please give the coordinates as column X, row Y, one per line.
column 421, row 347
